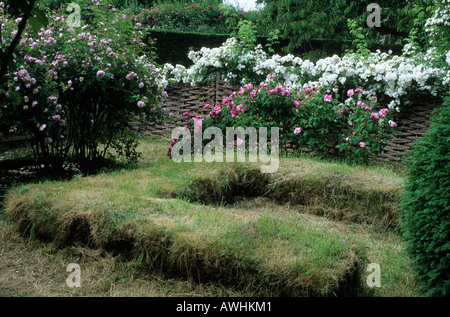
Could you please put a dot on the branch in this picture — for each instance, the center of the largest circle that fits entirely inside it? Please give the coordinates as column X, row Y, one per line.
column 6, row 58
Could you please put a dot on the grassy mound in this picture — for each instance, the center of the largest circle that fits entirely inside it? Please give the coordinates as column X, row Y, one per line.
column 353, row 195
column 265, row 249
column 273, row 254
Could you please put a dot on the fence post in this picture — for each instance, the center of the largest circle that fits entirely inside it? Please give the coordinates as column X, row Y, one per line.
column 216, row 88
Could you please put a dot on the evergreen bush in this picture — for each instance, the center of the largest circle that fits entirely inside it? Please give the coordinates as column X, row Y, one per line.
column 426, row 205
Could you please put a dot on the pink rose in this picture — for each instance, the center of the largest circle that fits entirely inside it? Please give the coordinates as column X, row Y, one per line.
column 392, row 124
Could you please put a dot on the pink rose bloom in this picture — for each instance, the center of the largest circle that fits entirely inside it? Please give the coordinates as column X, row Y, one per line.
column 56, row 117
column 141, row 85
column 374, row 115
column 51, row 41
column 186, row 113
column 239, row 141
column 131, row 75
column 297, row 131
column 207, row 106
column 383, row 112
column 198, row 123
column 392, row 124
column 140, row 104
column 100, row 73
column 233, row 112
column 296, row 103
column 362, row 144
column 350, row 93
column 327, row 98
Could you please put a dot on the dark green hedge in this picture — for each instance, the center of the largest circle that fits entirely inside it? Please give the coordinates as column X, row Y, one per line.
column 173, row 47
column 426, row 205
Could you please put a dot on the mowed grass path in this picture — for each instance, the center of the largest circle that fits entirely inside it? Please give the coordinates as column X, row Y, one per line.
column 312, row 233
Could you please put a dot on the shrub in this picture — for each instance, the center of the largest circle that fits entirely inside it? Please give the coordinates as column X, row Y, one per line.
column 426, row 205
column 397, row 80
column 77, row 89
column 309, row 118
column 203, row 16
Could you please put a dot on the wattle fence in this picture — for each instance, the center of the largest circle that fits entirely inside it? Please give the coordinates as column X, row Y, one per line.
column 184, row 97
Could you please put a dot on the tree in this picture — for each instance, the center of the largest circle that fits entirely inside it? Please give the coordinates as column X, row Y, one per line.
column 301, row 21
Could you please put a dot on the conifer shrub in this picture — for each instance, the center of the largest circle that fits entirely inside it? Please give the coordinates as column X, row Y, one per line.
column 426, row 205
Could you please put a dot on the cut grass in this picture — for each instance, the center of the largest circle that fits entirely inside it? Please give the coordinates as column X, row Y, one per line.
column 334, row 190
column 259, row 250
column 284, row 255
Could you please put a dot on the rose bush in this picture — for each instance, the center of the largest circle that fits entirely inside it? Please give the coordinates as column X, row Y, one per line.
column 77, row 89
column 397, row 79
column 355, row 129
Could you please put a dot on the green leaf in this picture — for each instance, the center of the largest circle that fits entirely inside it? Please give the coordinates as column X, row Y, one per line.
column 15, row 98
column 35, row 24
column 40, row 16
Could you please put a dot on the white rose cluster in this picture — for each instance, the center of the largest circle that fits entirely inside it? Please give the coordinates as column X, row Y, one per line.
column 395, row 76
column 392, row 75
column 441, row 17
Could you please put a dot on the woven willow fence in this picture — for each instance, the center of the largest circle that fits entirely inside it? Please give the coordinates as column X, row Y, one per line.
column 184, row 97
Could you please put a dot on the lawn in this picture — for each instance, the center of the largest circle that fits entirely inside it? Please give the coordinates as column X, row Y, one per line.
column 162, row 228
